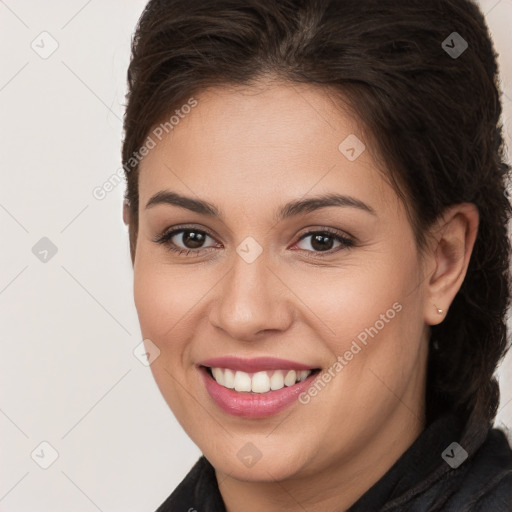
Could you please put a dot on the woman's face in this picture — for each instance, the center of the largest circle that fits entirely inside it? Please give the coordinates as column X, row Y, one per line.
column 260, row 281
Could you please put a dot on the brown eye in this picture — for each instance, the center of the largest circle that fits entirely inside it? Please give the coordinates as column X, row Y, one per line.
column 184, row 240
column 323, row 241
column 192, row 239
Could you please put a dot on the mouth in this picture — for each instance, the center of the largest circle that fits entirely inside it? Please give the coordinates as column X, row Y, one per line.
column 259, row 382
column 257, row 387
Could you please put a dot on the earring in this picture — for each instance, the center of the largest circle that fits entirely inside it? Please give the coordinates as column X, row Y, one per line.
column 440, row 311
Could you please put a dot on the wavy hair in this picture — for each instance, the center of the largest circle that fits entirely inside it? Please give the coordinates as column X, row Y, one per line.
column 433, row 120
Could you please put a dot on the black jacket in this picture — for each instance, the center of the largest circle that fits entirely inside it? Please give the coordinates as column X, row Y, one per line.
column 430, row 476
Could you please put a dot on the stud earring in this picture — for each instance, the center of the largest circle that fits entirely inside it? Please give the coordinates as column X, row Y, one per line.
column 440, row 311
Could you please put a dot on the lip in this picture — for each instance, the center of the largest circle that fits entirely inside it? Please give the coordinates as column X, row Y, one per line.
column 254, row 365
column 254, row 405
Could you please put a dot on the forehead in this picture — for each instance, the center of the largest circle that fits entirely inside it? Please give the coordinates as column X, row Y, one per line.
column 274, row 142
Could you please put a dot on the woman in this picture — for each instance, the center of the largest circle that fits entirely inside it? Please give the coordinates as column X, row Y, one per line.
column 318, row 219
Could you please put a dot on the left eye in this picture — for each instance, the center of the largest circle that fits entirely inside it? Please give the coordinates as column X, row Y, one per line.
column 323, row 241
column 193, row 240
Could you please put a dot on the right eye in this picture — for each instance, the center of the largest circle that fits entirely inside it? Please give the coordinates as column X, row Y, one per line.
column 191, row 238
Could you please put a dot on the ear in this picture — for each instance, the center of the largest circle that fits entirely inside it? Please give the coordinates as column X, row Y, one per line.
column 453, row 239
column 132, row 228
column 126, row 212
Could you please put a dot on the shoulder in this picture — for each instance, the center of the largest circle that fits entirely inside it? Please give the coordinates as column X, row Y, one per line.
column 482, row 483
column 489, row 476
column 497, row 498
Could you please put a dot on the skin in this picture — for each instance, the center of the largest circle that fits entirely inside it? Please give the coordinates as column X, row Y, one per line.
column 248, row 151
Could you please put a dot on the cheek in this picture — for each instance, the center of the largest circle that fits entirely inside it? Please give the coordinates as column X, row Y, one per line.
column 380, row 336
column 164, row 298
column 163, row 295
column 170, row 301
column 341, row 302
column 369, row 312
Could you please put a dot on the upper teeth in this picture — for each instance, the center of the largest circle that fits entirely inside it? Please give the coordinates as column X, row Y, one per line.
column 259, row 382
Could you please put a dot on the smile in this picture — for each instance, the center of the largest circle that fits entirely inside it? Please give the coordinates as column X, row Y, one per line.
column 258, row 382
column 255, row 388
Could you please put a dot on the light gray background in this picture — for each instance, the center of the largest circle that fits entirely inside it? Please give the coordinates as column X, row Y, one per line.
column 68, row 375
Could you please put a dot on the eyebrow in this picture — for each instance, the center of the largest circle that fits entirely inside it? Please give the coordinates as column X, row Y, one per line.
column 290, row 209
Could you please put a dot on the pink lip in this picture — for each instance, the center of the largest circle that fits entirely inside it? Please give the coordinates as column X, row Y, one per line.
column 253, row 405
column 254, row 365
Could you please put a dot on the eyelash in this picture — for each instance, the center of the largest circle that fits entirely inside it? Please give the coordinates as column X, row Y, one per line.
column 165, row 237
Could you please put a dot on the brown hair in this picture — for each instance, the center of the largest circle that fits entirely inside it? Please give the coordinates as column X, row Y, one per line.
column 434, row 118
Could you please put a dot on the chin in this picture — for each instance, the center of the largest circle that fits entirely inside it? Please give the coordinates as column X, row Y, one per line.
column 271, row 466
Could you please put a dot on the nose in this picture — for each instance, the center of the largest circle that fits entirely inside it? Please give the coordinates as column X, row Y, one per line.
column 251, row 299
